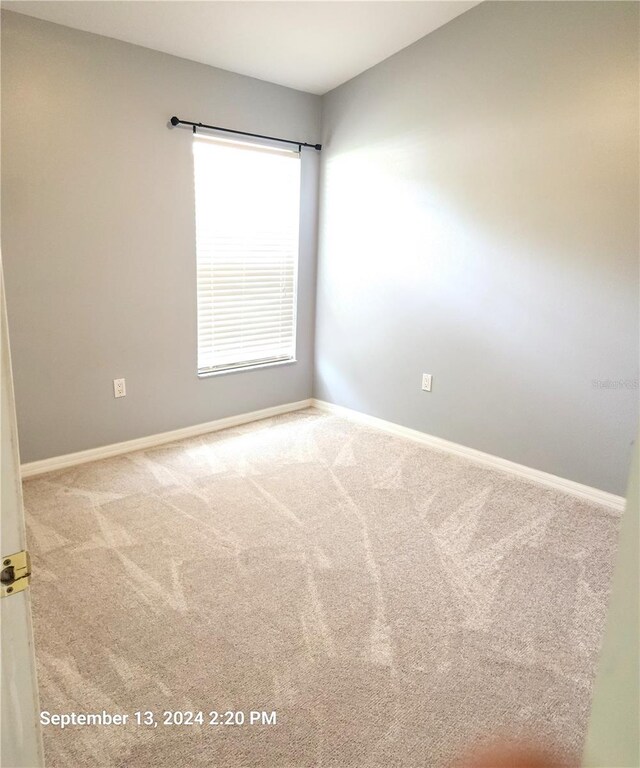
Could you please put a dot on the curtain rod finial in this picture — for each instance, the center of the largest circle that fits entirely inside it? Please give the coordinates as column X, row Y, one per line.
column 174, row 120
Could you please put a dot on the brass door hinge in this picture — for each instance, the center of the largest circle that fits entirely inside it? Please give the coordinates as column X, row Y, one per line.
column 15, row 573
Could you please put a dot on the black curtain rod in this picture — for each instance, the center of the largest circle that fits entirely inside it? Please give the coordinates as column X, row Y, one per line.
column 176, row 121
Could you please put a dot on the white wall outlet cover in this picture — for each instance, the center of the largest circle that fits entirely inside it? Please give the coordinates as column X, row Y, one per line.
column 426, row 382
column 119, row 388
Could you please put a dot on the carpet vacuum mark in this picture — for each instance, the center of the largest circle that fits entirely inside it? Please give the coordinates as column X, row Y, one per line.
column 391, row 603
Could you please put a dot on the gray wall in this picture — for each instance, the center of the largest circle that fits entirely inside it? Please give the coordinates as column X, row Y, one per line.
column 479, row 222
column 98, row 236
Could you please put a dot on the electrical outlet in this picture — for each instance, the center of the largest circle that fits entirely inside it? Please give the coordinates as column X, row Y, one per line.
column 119, row 388
column 426, row 382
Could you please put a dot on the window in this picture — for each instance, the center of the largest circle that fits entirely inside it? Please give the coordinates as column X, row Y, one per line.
column 247, row 221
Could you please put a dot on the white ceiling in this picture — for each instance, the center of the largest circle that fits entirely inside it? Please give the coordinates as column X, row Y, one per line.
column 311, row 46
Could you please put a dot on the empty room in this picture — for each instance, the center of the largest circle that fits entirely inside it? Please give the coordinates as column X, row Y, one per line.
column 320, row 358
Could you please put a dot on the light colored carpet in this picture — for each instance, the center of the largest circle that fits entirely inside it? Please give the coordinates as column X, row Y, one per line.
column 391, row 603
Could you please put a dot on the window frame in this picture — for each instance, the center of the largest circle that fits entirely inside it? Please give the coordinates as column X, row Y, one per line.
column 251, row 365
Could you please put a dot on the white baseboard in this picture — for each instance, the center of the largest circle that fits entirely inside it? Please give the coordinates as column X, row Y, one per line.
column 95, row 454
column 570, row 487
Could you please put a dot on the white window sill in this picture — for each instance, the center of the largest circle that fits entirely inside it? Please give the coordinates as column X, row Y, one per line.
column 226, row 371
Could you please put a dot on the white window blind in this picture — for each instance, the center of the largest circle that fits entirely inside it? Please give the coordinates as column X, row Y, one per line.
column 247, row 221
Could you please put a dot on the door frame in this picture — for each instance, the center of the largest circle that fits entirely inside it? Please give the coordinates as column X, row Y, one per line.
column 20, row 735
